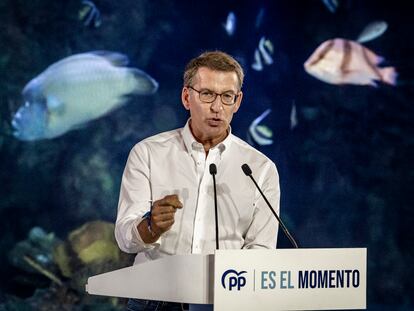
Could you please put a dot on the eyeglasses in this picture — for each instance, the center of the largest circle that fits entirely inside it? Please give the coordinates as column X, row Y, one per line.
column 207, row 96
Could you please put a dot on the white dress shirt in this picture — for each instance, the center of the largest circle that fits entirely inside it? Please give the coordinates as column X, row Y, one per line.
column 175, row 163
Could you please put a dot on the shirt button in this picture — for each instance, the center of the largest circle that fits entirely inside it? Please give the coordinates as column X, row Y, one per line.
column 198, row 162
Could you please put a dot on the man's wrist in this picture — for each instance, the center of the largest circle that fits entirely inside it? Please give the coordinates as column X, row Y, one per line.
column 147, row 234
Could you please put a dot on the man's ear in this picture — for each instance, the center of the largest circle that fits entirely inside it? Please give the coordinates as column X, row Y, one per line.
column 185, row 98
column 238, row 102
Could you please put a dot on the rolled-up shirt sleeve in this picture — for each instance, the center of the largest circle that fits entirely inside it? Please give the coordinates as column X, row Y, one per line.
column 262, row 232
column 135, row 200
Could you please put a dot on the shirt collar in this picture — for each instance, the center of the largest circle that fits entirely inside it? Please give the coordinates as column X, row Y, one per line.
column 191, row 143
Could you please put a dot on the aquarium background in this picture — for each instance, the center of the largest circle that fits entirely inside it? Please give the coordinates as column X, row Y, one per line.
column 345, row 168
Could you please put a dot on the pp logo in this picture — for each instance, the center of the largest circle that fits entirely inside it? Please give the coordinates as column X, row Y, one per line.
column 234, row 279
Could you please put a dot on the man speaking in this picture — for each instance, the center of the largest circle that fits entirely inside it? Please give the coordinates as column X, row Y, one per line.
column 167, row 198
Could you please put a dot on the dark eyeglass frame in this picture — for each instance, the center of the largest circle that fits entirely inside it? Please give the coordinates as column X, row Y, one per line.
column 215, row 96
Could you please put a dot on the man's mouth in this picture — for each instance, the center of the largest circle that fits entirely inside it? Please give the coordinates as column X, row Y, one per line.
column 214, row 121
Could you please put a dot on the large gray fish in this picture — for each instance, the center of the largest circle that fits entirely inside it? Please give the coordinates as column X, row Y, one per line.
column 75, row 90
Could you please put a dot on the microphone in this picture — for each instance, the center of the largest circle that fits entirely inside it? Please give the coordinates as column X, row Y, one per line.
column 248, row 172
column 213, row 172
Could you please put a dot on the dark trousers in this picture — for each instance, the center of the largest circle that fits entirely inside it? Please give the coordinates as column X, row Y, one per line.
column 151, row 305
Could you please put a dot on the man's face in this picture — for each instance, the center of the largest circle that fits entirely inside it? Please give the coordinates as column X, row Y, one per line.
column 211, row 121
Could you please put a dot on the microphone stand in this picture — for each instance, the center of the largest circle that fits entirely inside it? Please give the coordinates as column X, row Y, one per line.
column 213, row 172
column 248, row 172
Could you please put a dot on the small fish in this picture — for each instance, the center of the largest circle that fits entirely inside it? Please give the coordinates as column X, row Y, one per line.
column 340, row 61
column 257, row 65
column 293, row 116
column 372, row 31
column 332, row 5
column 263, row 54
column 89, row 14
column 230, row 24
column 261, row 134
column 260, row 17
column 266, row 49
column 75, row 90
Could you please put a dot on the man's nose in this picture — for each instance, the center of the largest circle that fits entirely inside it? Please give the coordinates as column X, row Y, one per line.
column 217, row 105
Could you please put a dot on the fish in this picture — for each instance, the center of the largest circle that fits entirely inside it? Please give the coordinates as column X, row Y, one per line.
column 76, row 90
column 266, row 49
column 263, row 54
column 89, row 14
column 331, row 5
column 260, row 17
column 257, row 64
column 340, row 61
column 293, row 116
column 261, row 134
column 230, row 24
column 372, row 31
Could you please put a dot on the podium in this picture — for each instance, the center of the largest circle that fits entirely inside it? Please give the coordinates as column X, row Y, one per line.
column 281, row 279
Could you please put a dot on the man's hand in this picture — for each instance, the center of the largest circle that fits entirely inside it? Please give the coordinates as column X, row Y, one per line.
column 162, row 218
column 163, row 213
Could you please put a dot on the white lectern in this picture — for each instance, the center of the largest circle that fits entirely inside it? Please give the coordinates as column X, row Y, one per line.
column 282, row 279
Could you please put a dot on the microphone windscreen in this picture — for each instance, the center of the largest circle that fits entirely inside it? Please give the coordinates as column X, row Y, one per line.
column 246, row 169
column 213, row 169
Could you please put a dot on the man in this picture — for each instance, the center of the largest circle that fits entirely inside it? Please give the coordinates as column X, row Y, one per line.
column 166, row 204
